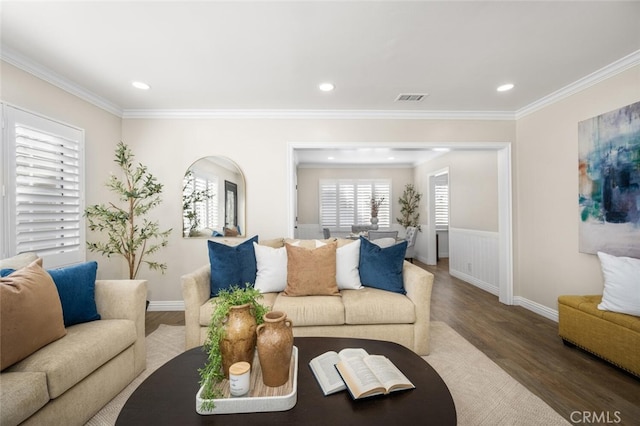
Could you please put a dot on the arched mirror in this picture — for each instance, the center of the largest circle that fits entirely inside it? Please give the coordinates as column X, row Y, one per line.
column 213, row 199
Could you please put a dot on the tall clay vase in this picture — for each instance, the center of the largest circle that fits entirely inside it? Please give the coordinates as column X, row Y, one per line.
column 239, row 342
column 275, row 346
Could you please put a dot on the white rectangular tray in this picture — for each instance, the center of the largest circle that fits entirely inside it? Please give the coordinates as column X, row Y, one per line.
column 261, row 398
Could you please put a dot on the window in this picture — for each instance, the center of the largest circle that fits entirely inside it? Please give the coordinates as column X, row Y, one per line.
column 43, row 183
column 201, row 201
column 347, row 202
column 442, row 201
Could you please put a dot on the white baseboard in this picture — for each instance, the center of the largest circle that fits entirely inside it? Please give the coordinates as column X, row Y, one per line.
column 166, row 305
column 537, row 308
column 530, row 305
column 475, row 281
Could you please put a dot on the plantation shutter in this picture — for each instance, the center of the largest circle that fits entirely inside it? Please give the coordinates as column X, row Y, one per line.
column 442, row 201
column 347, row 202
column 45, row 188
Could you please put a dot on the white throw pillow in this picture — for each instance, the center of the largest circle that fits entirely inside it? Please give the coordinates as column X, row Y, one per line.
column 347, row 263
column 621, row 284
column 271, row 263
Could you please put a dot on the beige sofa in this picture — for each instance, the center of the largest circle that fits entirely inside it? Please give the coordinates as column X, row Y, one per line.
column 69, row 380
column 365, row 313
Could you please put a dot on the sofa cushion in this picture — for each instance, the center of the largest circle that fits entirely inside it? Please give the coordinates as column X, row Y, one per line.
column 311, row 272
column 621, row 284
column 375, row 306
column 76, row 286
column 30, row 313
column 382, row 267
column 347, row 266
column 232, row 265
column 22, row 394
column 311, row 310
column 271, row 264
column 85, row 348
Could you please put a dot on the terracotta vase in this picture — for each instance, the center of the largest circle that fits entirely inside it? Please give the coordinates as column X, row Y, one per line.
column 239, row 342
column 275, row 346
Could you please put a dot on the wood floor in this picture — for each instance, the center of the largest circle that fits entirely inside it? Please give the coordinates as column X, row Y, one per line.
column 577, row 385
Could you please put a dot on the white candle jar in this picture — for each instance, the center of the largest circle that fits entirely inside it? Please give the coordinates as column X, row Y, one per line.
column 239, row 378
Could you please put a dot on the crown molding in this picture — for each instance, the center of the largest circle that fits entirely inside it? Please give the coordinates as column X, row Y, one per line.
column 584, row 83
column 57, row 80
column 63, row 83
column 315, row 114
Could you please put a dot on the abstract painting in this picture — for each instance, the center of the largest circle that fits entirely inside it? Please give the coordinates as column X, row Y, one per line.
column 609, row 182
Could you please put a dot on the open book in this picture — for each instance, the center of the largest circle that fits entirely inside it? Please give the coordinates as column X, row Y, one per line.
column 324, row 368
column 362, row 374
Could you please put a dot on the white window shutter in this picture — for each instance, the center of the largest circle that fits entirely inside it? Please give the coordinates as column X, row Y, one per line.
column 346, row 202
column 442, row 201
column 44, row 202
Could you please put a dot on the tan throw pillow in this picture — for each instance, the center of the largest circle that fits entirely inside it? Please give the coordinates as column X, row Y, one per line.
column 311, row 272
column 30, row 313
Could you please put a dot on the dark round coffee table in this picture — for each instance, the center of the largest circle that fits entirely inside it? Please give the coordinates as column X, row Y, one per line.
column 168, row 396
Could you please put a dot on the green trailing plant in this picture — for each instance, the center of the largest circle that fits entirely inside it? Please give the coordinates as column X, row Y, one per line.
column 409, row 202
column 211, row 376
column 130, row 234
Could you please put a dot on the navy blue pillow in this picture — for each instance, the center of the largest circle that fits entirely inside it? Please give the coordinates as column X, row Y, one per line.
column 76, row 286
column 382, row 267
column 232, row 265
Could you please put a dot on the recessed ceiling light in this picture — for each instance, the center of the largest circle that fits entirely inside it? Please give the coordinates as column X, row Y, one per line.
column 505, row 87
column 140, row 85
column 326, row 87
column 391, row 158
column 330, row 158
column 441, row 149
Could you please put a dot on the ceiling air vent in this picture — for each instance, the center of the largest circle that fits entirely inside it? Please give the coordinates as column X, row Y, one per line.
column 411, row 97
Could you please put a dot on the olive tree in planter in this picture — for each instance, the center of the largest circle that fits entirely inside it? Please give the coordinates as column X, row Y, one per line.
column 130, row 234
column 409, row 202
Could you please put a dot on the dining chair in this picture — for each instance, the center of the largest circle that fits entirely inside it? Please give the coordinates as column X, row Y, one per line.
column 374, row 235
column 356, row 229
column 410, row 237
column 326, row 232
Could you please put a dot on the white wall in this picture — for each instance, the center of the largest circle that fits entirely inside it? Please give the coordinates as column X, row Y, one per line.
column 547, row 261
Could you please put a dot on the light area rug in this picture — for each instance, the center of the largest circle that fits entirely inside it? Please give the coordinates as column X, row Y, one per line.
column 483, row 393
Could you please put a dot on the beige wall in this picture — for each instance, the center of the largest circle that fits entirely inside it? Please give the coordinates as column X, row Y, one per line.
column 473, row 188
column 546, row 193
column 259, row 147
column 309, row 198
column 102, row 133
column 546, row 258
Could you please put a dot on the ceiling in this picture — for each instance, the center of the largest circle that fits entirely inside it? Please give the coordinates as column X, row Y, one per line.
column 269, row 57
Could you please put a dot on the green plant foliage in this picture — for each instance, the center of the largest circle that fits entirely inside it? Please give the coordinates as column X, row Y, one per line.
column 409, row 202
column 191, row 198
column 211, row 376
column 129, row 233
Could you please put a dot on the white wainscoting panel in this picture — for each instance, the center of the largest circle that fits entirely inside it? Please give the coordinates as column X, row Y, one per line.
column 473, row 257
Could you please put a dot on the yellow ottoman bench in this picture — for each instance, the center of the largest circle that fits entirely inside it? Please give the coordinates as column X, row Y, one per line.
column 611, row 336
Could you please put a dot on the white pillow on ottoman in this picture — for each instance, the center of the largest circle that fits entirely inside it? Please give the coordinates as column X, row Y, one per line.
column 621, row 284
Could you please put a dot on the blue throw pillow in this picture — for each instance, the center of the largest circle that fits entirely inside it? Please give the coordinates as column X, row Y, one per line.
column 382, row 267
column 76, row 286
column 232, row 265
